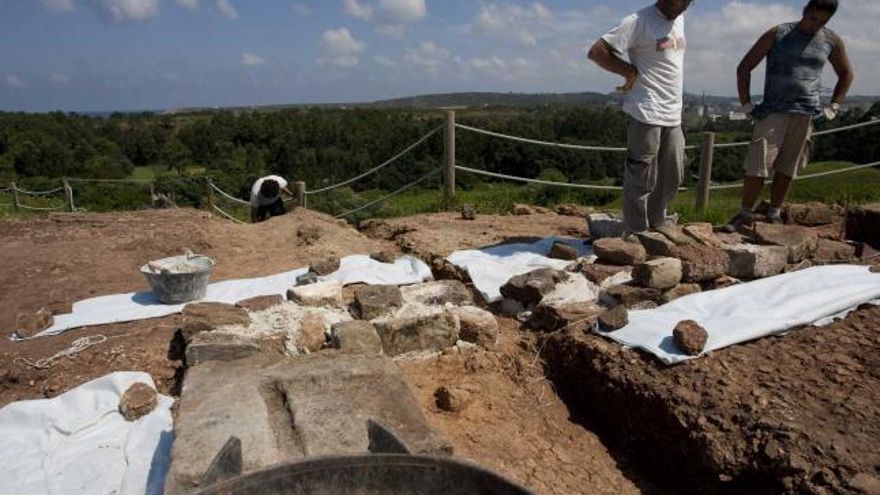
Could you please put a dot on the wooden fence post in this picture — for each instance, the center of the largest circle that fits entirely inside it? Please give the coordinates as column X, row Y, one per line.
column 15, row 202
column 300, row 190
column 209, row 193
column 68, row 195
column 707, row 157
column 449, row 140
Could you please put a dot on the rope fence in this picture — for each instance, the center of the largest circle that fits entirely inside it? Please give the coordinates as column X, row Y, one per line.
column 380, row 167
column 704, row 186
column 391, row 195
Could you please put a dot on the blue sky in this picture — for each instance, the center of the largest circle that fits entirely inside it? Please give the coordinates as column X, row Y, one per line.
column 82, row 55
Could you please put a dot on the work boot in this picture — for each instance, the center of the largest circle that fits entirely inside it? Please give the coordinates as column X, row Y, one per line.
column 744, row 217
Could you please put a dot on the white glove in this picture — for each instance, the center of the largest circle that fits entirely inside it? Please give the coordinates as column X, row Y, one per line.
column 830, row 112
column 748, row 108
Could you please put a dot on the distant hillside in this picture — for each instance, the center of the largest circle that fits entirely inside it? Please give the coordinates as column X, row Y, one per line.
column 497, row 99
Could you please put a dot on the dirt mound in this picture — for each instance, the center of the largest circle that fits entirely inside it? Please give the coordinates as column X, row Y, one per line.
column 790, row 414
column 69, row 257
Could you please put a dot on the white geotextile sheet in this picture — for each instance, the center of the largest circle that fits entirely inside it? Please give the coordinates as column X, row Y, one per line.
column 79, row 443
column 133, row 306
column 752, row 310
column 491, row 267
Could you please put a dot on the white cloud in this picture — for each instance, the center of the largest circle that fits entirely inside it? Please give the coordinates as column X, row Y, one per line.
column 525, row 24
column 428, row 56
column 190, row 4
column 250, row 60
column 303, row 9
column 130, row 10
column 227, row 9
column 395, row 12
column 16, row 82
column 340, row 49
column 357, row 9
column 60, row 78
column 58, row 5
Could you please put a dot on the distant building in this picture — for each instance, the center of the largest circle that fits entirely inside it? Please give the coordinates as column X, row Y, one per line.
column 733, row 116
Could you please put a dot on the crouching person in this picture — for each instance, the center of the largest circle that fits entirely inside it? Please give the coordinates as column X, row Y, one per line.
column 266, row 200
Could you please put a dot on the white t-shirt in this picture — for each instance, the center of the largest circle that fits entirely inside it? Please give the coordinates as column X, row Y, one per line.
column 257, row 199
column 655, row 46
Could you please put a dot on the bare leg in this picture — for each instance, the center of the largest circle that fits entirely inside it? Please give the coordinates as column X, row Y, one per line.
column 752, row 187
column 779, row 189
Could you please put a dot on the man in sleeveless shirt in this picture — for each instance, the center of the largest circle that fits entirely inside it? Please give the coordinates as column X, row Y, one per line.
column 266, row 200
column 653, row 41
column 796, row 54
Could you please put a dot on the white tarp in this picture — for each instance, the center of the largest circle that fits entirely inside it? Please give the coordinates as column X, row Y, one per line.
column 753, row 310
column 490, row 268
column 79, row 443
column 133, row 306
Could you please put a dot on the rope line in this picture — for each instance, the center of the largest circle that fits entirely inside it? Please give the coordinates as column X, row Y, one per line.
column 803, row 177
column 376, row 169
column 229, row 196
column 227, row 215
column 538, row 181
column 847, row 128
column 79, row 345
column 36, row 208
column 395, row 193
column 536, row 141
column 39, row 193
column 130, row 181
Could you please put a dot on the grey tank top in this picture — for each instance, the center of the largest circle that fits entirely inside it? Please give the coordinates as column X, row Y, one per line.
column 794, row 71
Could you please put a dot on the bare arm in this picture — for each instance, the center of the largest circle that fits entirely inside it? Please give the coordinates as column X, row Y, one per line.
column 844, row 70
column 751, row 60
column 603, row 56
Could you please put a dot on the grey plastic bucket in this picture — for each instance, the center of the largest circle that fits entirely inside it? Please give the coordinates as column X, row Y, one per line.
column 179, row 279
column 374, row 474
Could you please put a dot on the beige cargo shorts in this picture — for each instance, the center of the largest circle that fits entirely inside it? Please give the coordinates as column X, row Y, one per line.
column 780, row 143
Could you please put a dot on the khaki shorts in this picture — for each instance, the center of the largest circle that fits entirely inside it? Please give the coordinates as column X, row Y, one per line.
column 780, row 143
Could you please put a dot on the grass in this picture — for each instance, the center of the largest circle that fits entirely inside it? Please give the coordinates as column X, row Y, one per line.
column 852, row 187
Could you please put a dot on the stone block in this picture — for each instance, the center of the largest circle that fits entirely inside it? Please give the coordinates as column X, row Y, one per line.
column 550, row 318
column 433, row 332
column 477, row 326
column 629, row 295
column 30, row 324
column 384, row 256
column 260, row 303
column 701, row 263
column 604, row 225
column 827, row 250
column 327, row 293
column 750, row 261
column 214, row 346
column 324, row 266
column 312, row 333
column 531, row 287
column 800, row 241
column 524, row 210
column 616, row 251
column 204, row 317
column 437, row 293
column 510, row 307
column 690, row 337
column 675, row 234
column 600, row 273
column 660, row 273
column 563, row 251
column 443, row 269
column 657, row 244
column 139, row 400
column 288, row 410
column 614, row 319
column 703, row 233
column 572, row 210
column 373, row 301
column 307, row 278
column 679, row 291
column 356, row 337
column 453, row 399
column 468, row 212
column 813, row 214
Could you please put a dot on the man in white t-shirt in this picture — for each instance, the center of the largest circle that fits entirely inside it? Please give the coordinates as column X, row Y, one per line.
column 653, row 41
column 266, row 197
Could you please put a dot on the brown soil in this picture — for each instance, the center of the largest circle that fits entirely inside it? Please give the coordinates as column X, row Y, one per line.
column 791, row 414
column 796, row 413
